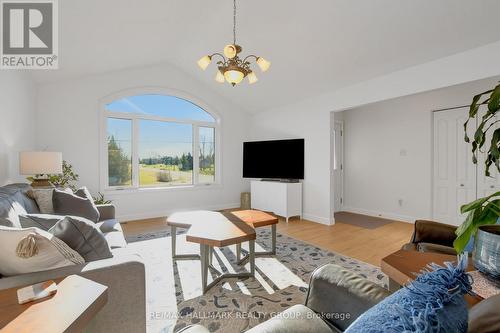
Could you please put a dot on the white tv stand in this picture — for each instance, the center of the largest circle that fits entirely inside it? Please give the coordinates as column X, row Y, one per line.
column 281, row 198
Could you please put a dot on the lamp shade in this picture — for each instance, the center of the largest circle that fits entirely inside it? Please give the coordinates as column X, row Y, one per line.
column 204, row 62
column 233, row 76
column 219, row 77
column 40, row 162
column 252, row 78
column 263, row 64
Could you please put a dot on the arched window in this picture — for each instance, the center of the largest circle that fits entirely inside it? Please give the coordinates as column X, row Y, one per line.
column 158, row 140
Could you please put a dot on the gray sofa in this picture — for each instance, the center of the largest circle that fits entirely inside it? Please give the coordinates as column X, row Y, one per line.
column 123, row 274
column 337, row 296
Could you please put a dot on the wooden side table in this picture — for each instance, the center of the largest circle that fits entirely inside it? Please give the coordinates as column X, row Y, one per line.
column 76, row 302
column 402, row 266
column 256, row 219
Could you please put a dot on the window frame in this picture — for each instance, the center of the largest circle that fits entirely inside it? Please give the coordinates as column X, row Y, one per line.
column 135, row 118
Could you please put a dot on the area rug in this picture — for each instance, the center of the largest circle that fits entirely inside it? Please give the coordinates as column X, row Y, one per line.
column 174, row 297
column 362, row 221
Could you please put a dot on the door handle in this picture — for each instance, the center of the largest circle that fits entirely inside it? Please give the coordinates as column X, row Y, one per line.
column 461, row 185
column 492, row 186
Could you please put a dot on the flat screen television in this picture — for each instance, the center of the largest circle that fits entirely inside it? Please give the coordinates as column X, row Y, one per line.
column 277, row 159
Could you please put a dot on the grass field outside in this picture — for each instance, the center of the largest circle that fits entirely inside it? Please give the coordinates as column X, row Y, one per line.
column 150, row 175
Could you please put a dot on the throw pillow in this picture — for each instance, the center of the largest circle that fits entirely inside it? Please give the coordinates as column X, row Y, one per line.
column 72, row 204
column 42, row 221
column 43, row 198
column 33, row 250
column 434, row 302
column 83, row 236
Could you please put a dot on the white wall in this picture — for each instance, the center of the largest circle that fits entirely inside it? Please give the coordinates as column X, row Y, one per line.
column 68, row 121
column 315, row 129
column 310, row 118
column 388, row 152
column 17, row 122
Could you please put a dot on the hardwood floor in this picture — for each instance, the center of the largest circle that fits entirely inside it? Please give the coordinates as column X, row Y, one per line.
column 368, row 245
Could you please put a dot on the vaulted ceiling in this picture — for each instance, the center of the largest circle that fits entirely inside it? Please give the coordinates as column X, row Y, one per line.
column 314, row 46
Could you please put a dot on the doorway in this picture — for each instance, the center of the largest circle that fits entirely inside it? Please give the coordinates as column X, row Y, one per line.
column 338, row 165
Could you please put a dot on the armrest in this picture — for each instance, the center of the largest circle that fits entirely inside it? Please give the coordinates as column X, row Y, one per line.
column 106, row 212
column 341, row 295
column 434, row 232
column 436, row 248
column 125, row 278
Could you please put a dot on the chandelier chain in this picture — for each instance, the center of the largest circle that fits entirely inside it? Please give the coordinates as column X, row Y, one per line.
column 234, row 22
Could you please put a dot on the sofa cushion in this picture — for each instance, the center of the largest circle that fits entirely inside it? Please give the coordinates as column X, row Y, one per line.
column 72, row 204
column 434, row 302
column 109, row 225
column 83, row 236
column 484, row 317
column 115, row 239
column 14, row 201
column 295, row 319
column 42, row 221
column 50, row 252
column 113, row 233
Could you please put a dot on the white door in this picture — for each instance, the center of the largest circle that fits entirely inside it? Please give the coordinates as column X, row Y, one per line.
column 454, row 173
column 338, row 165
column 487, row 185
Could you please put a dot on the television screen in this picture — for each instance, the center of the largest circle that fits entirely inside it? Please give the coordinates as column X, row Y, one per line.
column 277, row 159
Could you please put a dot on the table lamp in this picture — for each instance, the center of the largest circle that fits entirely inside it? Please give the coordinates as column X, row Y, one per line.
column 40, row 164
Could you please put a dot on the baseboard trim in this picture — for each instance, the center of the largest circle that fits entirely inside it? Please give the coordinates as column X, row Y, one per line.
column 317, row 219
column 142, row 216
column 398, row 217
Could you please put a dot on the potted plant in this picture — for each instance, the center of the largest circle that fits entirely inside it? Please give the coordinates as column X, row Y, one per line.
column 484, row 212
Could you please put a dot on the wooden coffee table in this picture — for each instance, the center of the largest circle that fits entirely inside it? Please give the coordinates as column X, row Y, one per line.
column 212, row 229
column 402, row 266
column 70, row 309
column 256, row 219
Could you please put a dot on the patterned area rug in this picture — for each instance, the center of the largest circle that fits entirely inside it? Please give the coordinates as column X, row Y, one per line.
column 174, row 297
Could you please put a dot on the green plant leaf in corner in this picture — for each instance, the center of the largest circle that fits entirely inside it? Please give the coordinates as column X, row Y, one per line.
column 477, row 203
column 494, row 102
column 465, row 230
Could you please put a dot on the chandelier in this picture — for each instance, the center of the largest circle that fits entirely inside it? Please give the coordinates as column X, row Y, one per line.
column 230, row 67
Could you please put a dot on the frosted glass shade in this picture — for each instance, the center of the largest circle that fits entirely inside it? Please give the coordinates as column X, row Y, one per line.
column 219, row 77
column 230, row 51
column 204, row 62
column 252, row 78
column 40, row 162
column 233, row 77
column 263, row 64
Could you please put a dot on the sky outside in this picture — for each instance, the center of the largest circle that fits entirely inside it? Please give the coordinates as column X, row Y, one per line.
column 158, row 138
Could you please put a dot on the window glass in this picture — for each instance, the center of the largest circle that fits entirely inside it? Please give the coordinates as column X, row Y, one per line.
column 206, row 147
column 160, row 105
column 165, row 153
column 119, row 137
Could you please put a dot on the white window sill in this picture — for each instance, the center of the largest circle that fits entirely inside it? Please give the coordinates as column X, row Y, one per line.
column 118, row 191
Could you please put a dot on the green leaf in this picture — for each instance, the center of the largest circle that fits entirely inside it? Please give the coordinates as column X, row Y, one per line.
column 461, row 241
column 494, row 103
column 477, row 203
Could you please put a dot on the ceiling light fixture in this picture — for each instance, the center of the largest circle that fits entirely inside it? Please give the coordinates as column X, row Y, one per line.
column 231, row 68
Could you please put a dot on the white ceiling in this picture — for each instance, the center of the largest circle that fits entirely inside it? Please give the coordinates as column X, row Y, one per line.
column 314, row 46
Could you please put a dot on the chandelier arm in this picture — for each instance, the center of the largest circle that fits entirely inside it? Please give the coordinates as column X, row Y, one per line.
column 250, row 56
column 220, row 55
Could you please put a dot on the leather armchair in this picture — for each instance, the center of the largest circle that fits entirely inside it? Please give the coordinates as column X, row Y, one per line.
column 430, row 236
